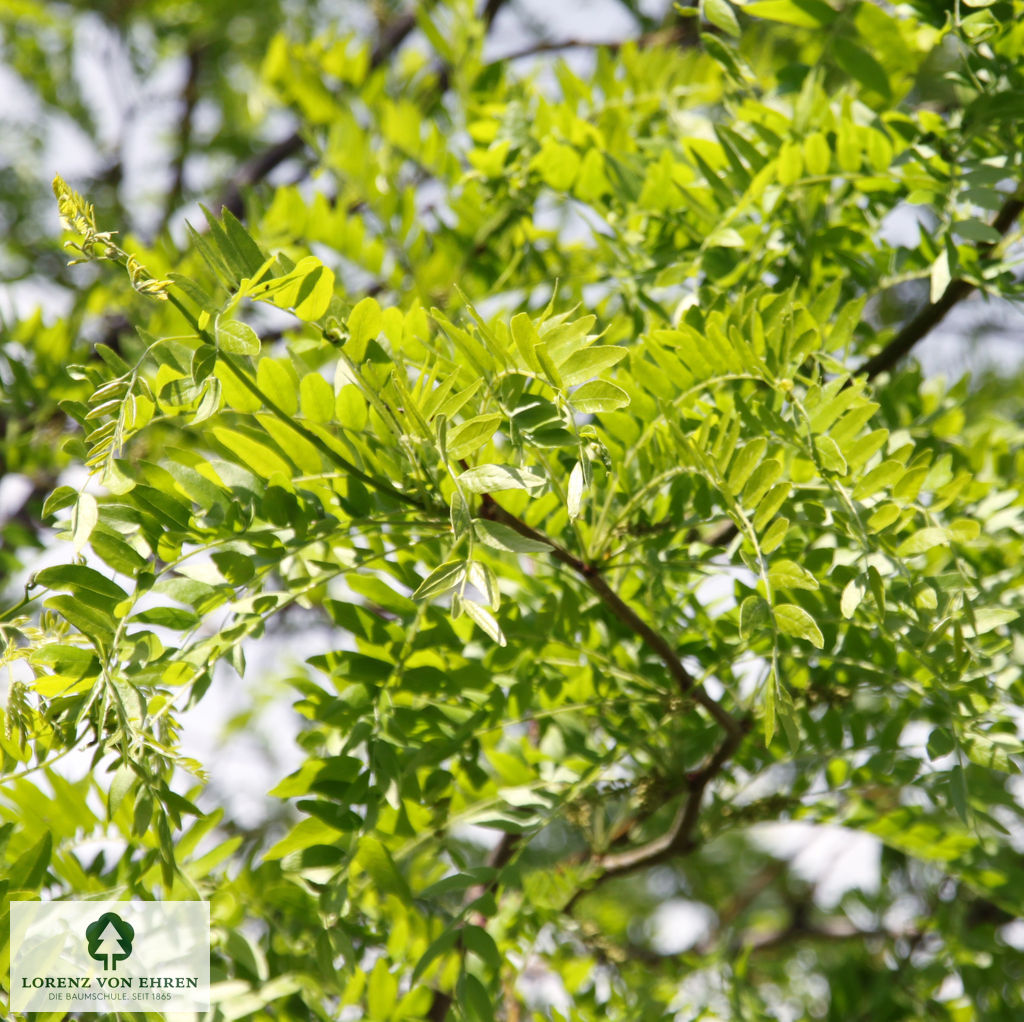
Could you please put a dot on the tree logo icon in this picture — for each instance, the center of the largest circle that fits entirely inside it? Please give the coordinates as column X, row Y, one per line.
column 110, row 939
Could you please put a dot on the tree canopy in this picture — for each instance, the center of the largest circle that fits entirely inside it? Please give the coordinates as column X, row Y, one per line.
column 574, row 388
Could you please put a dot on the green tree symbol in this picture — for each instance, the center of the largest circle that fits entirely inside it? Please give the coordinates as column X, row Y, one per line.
column 110, row 939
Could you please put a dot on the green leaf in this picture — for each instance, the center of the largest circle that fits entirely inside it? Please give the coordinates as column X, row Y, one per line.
column 474, row 1000
column 441, row 580
column 883, row 517
column 744, row 463
column 754, row 615
column 795, row 621
column 817, row 158
column 177, row 618
column 248, row 253
column 237, row 338
column 252, row 454
column 29, row 870
column 62, row 497
column 557, row 164
column 763, row 477
column 236, row 568
column 277, row 378
column 789, row 575
column 351, row 409
column 575, row 491
column 374, row 858
column 67, row 661
column 880, row 477
column 853, row 593
column 773, row 538
column 83, row 581
column 451, row 404
column 460, row 515
column 527, row 340
column 598, row 396
column 976, row 230
column 468, row 437
column 90, row 618
column 989, row 618
column 197, row 295
column 485, row 619
column 482, row 577
column 481, row 943
column 940, row 275
column 803, row 13
column 769, row 708
column 322, row 773
column 923, row 540
column 316, row 398
column 958, row 794
column 831, row 457
column 83, row 520
column 120, row 785
column 200, row 595
column 381, row 991
column 502, row 537
column 940, row 743
column 770, row 503
column 861, row 66
column 307, row 290
column 825, row 414
column 491, row 478
column 441, row 945
column 583, row 365
column 791, row 163
column 720, row 14
column 365, row 322
column 208, row 407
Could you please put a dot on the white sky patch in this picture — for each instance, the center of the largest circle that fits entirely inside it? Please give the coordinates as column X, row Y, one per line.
column 679, row 924
column 834, row 859
column 14, row 490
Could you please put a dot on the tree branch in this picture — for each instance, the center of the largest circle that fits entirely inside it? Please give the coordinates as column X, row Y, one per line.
column 917, row 328
column 685, row 682
column 659, row 37
column 830, row 931
column 500, row 855
column 678, row 839
column 934, row 312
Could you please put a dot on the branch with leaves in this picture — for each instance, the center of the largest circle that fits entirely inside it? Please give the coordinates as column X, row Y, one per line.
column 932, row 314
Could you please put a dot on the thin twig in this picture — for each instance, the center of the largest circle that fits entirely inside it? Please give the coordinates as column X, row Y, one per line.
column 659, row 37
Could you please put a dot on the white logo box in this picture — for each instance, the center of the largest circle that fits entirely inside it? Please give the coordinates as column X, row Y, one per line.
column 110, row 956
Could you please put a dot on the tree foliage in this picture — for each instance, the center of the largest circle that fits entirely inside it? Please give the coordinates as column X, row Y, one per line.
column 576, row 400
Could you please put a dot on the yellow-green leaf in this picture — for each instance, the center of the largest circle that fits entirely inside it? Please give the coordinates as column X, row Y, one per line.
column 83, row 520
column 316, row 398
column 720, row 14
column 795, row 621
column 468, row 437
column 790, row 575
